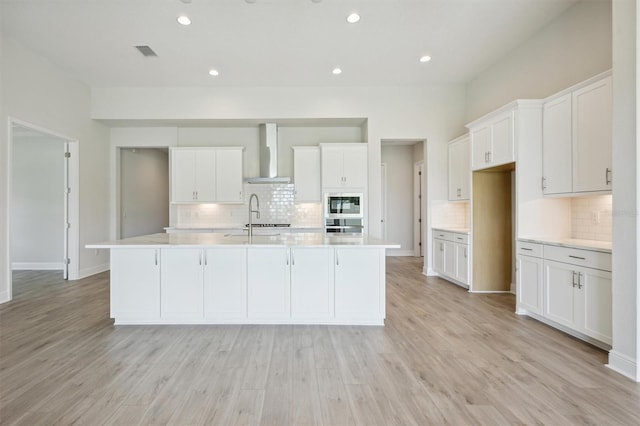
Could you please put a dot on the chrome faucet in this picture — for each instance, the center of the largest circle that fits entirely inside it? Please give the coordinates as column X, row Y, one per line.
column 251, row 211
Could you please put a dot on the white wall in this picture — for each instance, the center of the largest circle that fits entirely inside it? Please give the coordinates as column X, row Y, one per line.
column 433, row 113
column 571, row 48
column 144, row 191
column 37, row 92
column 624, row 356
column 37, row 203
column 399, row 161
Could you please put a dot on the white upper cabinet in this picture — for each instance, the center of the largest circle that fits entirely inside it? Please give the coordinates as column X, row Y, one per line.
column 492, row 140
column 459, row 169
column 556, row 146
column 306, row 173
column 576, row 141
column 344, row 165
column 206, row 175
column 592, row 129
column 229, row 175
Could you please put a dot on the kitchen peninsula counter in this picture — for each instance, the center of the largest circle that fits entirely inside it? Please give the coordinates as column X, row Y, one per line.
column 213, row 278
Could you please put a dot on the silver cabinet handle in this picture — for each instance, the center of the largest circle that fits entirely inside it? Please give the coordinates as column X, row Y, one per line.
column 576, row 257
column 286, row 258
column 574, row 279
column 293, row 259
column 579, row 279
column 489, row 156
column 607, row 173
column 156, row 256
column 526, row 248
column 465, row 252
column 544, row 183
column 200, row 258
column 205, row 257
column 240, row 195
column 337, row 259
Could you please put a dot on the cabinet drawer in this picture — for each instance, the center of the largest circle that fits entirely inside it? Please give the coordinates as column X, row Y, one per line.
column 443, row 235
column 586, row 258
column 529, row 249
column 460, row 238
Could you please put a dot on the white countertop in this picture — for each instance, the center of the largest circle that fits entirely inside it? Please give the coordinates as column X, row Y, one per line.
column 206, row 239
column 452, row 229
column 603, row 246
column 241, row 228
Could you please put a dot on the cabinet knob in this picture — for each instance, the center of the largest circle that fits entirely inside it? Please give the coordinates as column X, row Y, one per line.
column 607, row 176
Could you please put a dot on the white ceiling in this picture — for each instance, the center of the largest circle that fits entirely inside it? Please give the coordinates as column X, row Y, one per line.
column 275, row 42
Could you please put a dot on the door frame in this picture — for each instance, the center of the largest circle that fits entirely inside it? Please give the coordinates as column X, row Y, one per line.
column 73, row 210
column 383, row 195
column 418, row 209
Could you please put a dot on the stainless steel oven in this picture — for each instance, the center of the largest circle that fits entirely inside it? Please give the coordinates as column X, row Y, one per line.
column 344, row 226
column 342, row 205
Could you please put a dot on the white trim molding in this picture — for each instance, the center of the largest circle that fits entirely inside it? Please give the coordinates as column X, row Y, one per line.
column 87, row 272
column 624, row 365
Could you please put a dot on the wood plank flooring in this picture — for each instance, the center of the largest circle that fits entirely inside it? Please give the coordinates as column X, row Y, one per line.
column 444, row 357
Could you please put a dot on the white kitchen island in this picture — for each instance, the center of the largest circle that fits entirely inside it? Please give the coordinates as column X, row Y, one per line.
column 208, row 278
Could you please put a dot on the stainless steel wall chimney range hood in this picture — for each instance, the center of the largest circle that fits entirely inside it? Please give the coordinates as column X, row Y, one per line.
column 268, row 152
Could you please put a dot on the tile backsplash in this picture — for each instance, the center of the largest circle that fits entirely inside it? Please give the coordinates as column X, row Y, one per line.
column 450, row 215
column 277, row 205
column 591, row 218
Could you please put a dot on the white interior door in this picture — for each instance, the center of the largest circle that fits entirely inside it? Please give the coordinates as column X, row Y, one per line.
column 67, row 223
column 418, row 196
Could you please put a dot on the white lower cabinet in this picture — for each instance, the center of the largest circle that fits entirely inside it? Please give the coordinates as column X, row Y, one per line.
column 268, row 283
column 358, row 292
column 311, row 284
column 182, row 283
column 451, row 256
column 135, row 284
column 558, row 284
column 225, row 279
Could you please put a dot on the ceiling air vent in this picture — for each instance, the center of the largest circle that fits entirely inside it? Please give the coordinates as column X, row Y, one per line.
column 146, row 51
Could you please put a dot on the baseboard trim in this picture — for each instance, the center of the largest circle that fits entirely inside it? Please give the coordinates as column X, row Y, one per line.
column 623, row 364
column 37, row 266
column 398, row 253
column 429, row 272
column 87, row 272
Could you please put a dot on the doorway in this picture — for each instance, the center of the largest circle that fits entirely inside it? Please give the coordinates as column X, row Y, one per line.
column 43, row 201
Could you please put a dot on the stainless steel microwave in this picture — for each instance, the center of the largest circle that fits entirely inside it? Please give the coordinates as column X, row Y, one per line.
column 341, row 205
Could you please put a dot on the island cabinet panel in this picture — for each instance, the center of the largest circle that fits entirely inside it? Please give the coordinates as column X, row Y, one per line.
column 135, row 284
column 357, row 284
column 225, row 281
column 311, row 283
column 182, row 280
column 268, row 283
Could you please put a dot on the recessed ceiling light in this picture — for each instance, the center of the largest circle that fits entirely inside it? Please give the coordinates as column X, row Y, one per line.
column 214, row 73
column 353, row 18
column 425, row 58
column 184, row 20
column 337, row 71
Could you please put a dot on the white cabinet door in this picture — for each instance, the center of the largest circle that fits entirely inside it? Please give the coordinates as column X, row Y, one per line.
column 450, row 259
column 135, row 284
column 225, row 283
column 529, row 284
column 311, row 286
column 183, row 175
column 205, row 175
column 462, row 263
column 459, row 171
column 229, row 176
column 181, row 283
column 268, row 285
column 438, row 256
column 559, row 282
column 332, row 171
column 480, row 147
column 557, row 146
column 592, row 130
column 594, row 302
column 357, row 284
column 502, row 142
column 355, row 166
column 306, row 174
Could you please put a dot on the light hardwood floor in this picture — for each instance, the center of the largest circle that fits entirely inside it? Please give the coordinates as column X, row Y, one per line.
column 444, row 357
